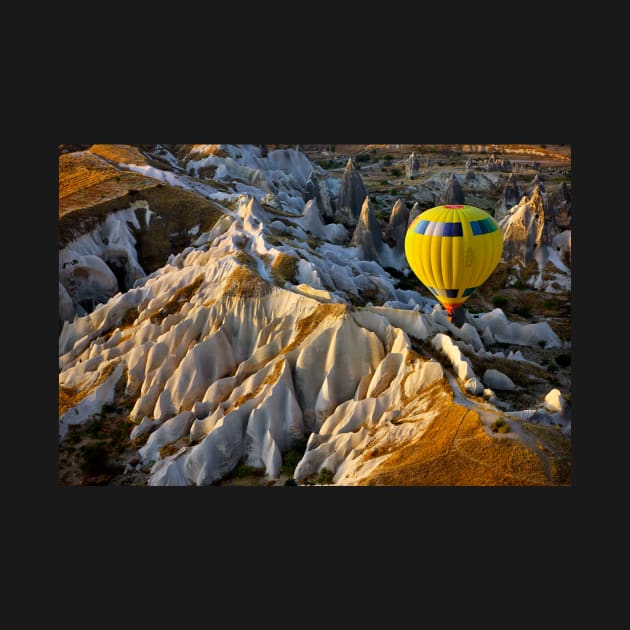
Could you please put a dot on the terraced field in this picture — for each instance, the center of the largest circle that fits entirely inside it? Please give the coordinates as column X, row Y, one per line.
column 120, row 153
column 86, row 179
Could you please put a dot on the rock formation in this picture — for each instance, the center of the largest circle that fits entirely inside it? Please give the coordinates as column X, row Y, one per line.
column 255, row 337
column 559, row 204
column 317, row 190
column 397, row 226
column 452, row 192
column 352, row 194
column 537, row 181
column 412, row 166
column 526, row 229
column 367, row 237
column 413, row 213
column 510, row 197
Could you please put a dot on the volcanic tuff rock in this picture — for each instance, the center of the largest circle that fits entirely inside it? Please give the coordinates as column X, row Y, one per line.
column 318, row 190
column 452, row 192
column 413, row 213
column 525, row 229
column 367, row 237
column 352, row 194
column 397, row 226
column 537, row 181
column 559, row 205
column 116, row 224
column 509, row 198
column 257, row 336
column 469, row 177
column 412, row 166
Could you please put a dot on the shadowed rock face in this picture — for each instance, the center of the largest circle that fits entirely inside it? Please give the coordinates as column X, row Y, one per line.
column 452, row 193
column 397, row 229
column 413, row 213
column 559, row 205
column 367, row 237
column 511, row 193
column 510, row 197
column 412, row 166
column 352, row 194
column 317, row 190
column 397, row 226
column 526, row 229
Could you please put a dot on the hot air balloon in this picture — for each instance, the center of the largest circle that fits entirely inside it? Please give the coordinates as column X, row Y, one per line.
column 453, row 249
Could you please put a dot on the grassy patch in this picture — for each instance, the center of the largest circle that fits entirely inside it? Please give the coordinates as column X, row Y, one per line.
column 305, row 326
column 170, row 449
column 93, row 450
column 244, row 282
column 245, row 259
column 70, row 397
column 499, row 301
column 271, row 378
column 244, row 470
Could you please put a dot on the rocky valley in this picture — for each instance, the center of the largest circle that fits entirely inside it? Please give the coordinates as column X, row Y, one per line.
column 245, row 315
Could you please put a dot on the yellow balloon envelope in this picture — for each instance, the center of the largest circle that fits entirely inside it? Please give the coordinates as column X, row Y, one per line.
column 453, row 249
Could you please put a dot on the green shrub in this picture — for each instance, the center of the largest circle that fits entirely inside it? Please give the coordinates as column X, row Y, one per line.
column 362, row 157
column 244, row 470
column 73, row 436
column 395, row 172
column 383, row 182
column 393, row 191
column 520, row 285
column 499, row 300
column 563, row 360
column 325, row 477
column 327, row 164
column 500, row 426
column 523, row 311
column 290, row 461
column 94, row 459
column 94, row 428
column 551, row 304
column 388, row 157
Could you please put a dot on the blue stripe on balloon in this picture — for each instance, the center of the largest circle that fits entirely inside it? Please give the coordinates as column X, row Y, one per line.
column 483, row 226
column 421, row 226
column 438, row 228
